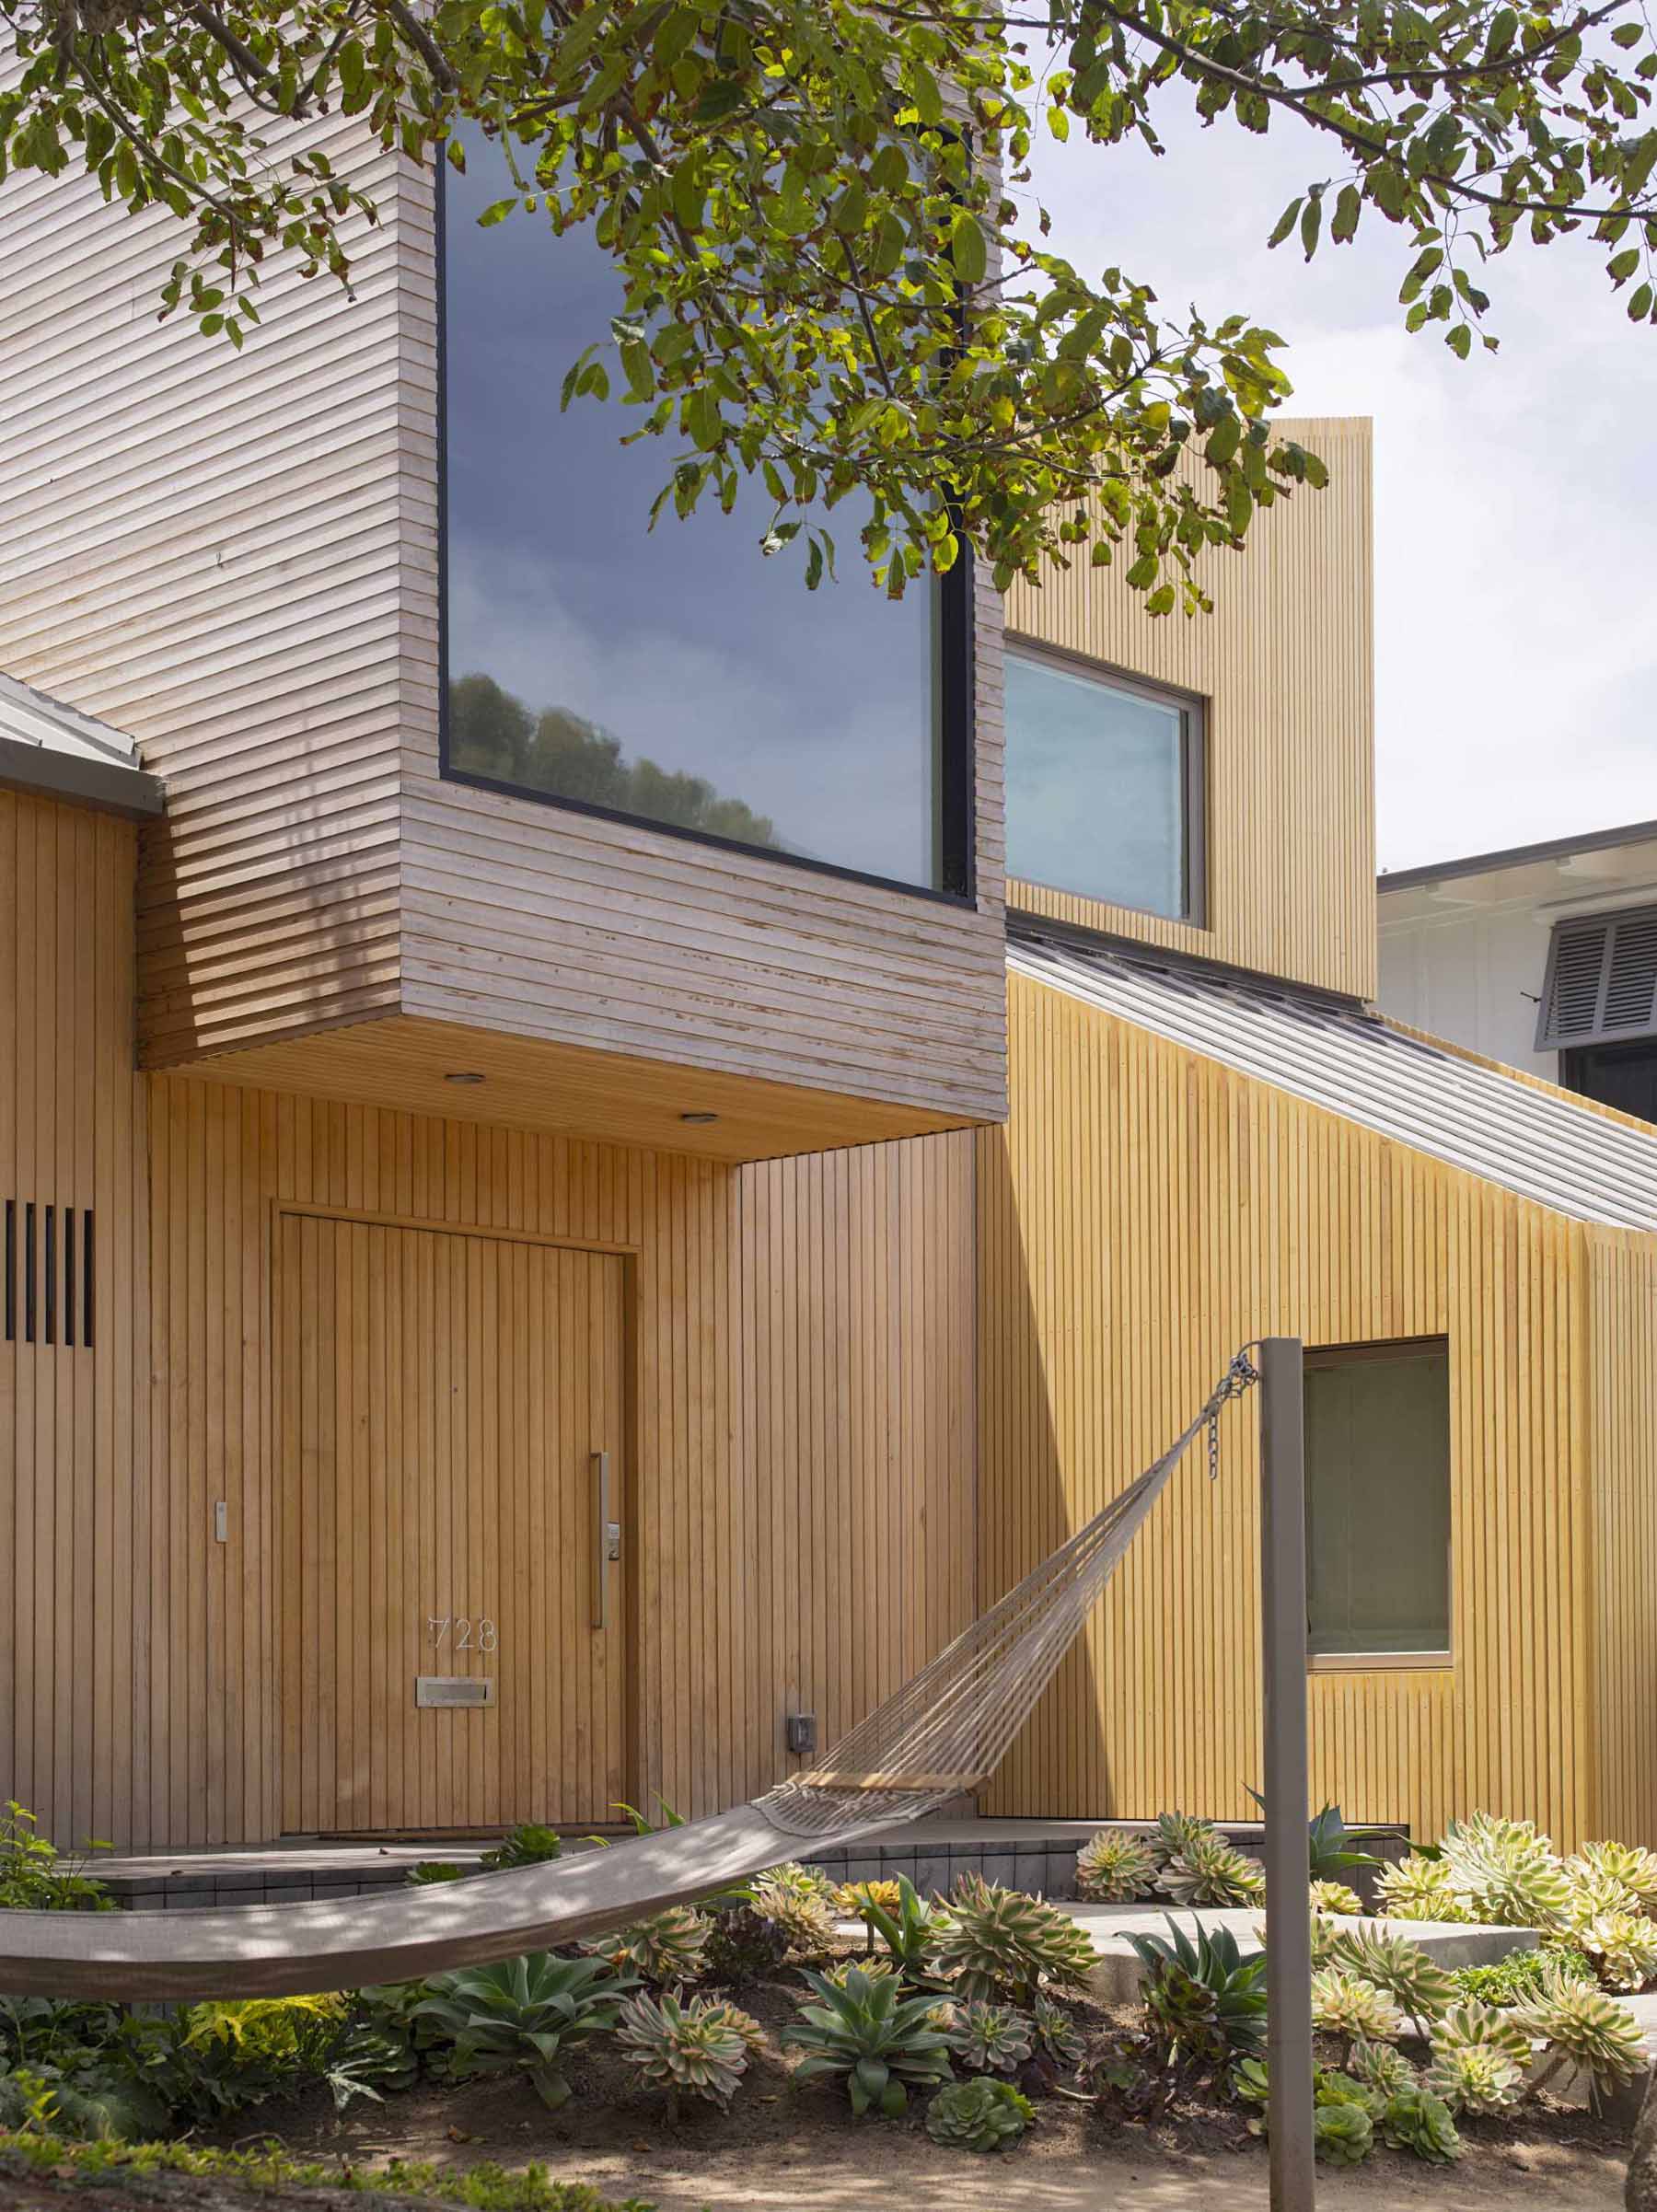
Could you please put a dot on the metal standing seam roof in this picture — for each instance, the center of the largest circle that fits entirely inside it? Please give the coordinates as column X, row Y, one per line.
column 47, row 746
column 1357, row 1064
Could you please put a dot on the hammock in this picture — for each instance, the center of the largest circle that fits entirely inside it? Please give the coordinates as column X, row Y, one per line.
column 940, row 1735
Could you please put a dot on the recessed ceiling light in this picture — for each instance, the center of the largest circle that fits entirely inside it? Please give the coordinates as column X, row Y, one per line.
column 699, row 1119
column 463, row 1075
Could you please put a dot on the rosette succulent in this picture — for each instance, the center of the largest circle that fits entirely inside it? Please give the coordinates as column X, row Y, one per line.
column 1419, row 1889
column 1415, row 1981
column 695, row 2048
column 1506, row 1871
column 1000, row 1943
column 1335, row 1898
column 1114, row 1868
column 1480, row 2059
column 978, row 2115
column 990, row 2039
column 1584, row 2028
column 666, row 1950
column 1346, row 2004
column 1417, row 2121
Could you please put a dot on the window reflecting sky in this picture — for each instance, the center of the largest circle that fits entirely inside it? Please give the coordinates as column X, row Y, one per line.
column 1095, row 788
column 810, row 715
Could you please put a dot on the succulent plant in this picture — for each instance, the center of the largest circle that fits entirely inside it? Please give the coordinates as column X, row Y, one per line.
column 1172, row 1833
column 1419, row 1889
column 666, row 1950
column 1342, row 2132
column 799, row 1905
column 1057, row 2037
column 426, row 1870
column 874, row 2035
column 1628, row 1866
column 1209, row 1871
column 978, row 2115
column 1415, row 2120
column 692, row 2048
column 876, row 1969
column 854, row 1898
column 732, row 2017
column 527, row 1845
column 1000, row 1943
column 1506, row 1871
column 1622, row 1945
column 1480, row 2059
column 990, row 2039
column 1380, row 2066
column 523, row 2012
column 1582, row 2027
column 1335, row 1898
column 1344, row 2003
column 1413, row 1980
column 1115, row 1868
column 1203, row 2000
column 745, row 1945
column 909, row 1929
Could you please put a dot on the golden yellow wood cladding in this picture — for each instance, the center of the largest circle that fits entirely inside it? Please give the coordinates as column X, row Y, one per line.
column 1284, row 663
column 240, row 570
column 442, row 1402
column 1624, row 1305
column 800, row 1362
column 1147, row 1211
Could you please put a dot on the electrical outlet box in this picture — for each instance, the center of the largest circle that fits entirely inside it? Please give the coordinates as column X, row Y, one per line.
column 802, row 1734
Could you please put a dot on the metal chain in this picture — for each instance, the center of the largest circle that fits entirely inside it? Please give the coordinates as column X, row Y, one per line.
column 1240, row 1376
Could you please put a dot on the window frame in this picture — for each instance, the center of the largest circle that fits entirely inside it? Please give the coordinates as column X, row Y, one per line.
column 956, row 704
column 1326, row 1356
column 1195, row 747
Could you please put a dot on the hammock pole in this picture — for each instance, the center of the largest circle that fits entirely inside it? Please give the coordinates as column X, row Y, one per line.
column 1288, row 1891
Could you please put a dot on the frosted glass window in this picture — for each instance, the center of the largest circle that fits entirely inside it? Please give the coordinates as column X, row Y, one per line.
column 1378, row 1499
column 1101, row 780
column 672, row 675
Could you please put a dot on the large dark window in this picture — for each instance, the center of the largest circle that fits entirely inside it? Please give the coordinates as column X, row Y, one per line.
column 676, row 676
column 1378, row 1502
column 1105, row 781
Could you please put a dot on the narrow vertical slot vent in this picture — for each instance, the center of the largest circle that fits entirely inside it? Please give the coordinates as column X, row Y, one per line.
column 87, row 1277
column 11, row 1270
column 69, row 1275
column 28, row 1273
column 50, row 1274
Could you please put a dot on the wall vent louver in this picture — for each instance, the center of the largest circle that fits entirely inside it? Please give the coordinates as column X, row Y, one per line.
column 48, row 1272
column 1601, row 979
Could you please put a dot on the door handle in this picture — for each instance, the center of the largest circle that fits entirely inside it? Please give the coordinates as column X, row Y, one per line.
column 607, row 1539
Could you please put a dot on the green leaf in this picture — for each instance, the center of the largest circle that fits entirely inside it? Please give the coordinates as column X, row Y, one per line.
column 1640, row 302
column 1460, row 340
column 1348, row 206
column 1627, row 34
column 1310, row 224
column 967, row 247
column 1285, row 222
column 1621, row 266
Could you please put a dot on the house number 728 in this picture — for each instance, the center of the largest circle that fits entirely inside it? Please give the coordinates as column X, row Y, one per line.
column 467, row 1635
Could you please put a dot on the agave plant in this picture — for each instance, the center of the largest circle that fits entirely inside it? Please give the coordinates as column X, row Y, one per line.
column 1415, row 2120
column 1622, row 1945
column 1380, row 2066
column 695, row 2048
column 909, row 1929
column 1480, row 2059
column 745, row 1945
column 878, row 2038
column 1000, row 1943
column 990, row 2039
column 1419, row 1888
column 525, row 2012
column 1506, row 1871
column 876, row 1970
column 1335, row 1898
column 978, row 2115
column 1627, row 1866
column 1346, row 2004
column 1584, row 2028
column 1203, row 2000
column 1409, row 1976
column 1115, row 1868
column 666, row 1950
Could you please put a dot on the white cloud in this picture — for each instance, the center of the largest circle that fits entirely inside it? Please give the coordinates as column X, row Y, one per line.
column 1515, row 492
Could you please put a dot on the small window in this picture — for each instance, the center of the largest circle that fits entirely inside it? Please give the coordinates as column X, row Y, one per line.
column 1104, row 778
column 1378, row 1503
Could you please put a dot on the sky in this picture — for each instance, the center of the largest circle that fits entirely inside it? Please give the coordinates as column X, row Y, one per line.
column 1515, row 516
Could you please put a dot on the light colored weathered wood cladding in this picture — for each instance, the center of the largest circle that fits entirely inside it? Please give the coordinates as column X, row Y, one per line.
column 73, row 1439
column 209, row 550
column 801, row 1362
column 1623, row 1292
column 236, row 561
column 1147, row 1211
column 1284, row 665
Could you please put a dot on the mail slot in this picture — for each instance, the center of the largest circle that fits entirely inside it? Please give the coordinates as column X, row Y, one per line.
column 454, row 1689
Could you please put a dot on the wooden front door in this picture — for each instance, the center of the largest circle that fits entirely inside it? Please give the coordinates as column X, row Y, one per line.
column 444, row 1402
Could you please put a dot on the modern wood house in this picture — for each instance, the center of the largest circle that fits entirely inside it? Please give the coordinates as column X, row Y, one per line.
column 532, row 1275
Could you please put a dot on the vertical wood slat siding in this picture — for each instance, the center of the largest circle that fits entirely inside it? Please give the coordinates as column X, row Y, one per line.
column 237, row 564
column 215, row 562
column 1145, row 1213
column 1284, row 663
column 1624, row 1295
column 800, row 1341
column 74, row 1475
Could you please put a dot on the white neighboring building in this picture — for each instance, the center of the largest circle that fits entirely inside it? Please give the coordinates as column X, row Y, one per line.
column 1544, row 957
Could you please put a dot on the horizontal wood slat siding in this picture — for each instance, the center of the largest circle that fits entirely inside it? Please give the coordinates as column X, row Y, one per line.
column 1624, row 1295
column 1146, row 1212
column 1285, row 664
column 801, row 1354
column 209, row 550
column 74, row 1465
